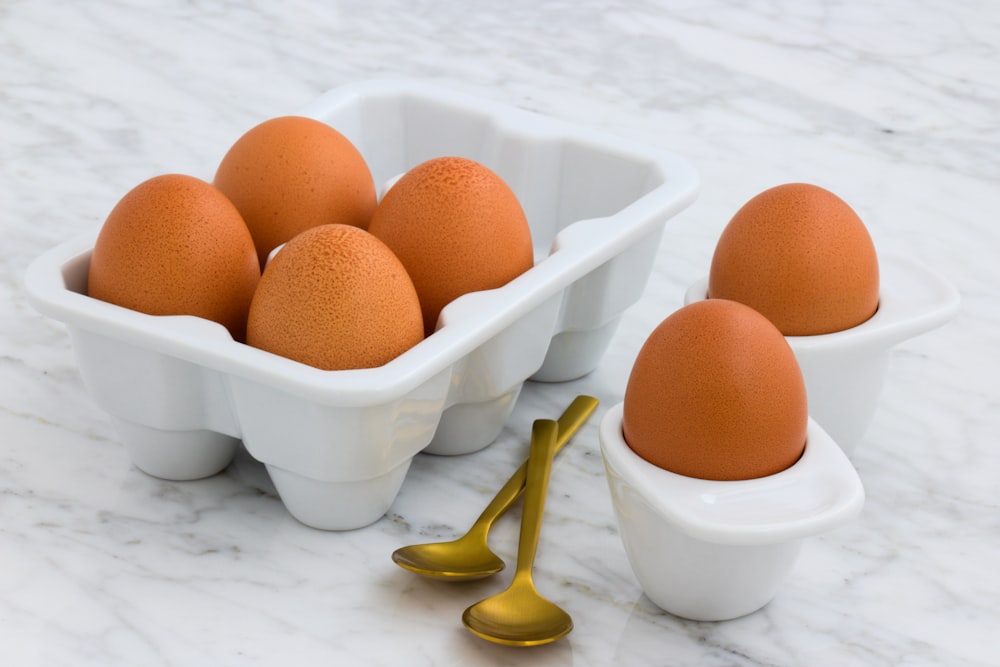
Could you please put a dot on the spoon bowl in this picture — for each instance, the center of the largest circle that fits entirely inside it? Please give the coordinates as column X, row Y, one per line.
column 470, row 557
column 520, row 616
column 464, row 559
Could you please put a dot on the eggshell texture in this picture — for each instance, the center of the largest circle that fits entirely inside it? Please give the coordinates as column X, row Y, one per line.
column 292, row 173
column 716, row 393
column 175, row 245
column 457, row 227
column 335, row 297
column 801, row 256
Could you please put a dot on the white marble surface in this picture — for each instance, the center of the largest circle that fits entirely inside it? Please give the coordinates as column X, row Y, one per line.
column 894, row 106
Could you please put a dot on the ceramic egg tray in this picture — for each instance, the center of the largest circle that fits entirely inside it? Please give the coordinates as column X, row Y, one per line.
column 337, row 444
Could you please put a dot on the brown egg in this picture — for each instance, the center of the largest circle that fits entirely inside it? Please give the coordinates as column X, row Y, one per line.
column 801, row 256
column 335, row 297
column 175, row 245
column 716, row 393
column 292, row 173
column 457, row 227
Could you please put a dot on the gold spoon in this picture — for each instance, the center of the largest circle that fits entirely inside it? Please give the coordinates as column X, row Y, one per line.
column 520, row 616
column 469, row 557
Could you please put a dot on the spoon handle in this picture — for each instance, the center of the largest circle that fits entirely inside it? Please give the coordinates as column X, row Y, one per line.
column 543, row 446
column 569, row 423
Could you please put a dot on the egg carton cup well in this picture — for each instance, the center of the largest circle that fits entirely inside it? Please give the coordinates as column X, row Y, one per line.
column 844, row 371
column 337, row 444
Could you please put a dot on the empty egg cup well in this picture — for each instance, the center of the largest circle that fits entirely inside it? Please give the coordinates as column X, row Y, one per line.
column 714, row 550
column 844, row 371
column 337, row 444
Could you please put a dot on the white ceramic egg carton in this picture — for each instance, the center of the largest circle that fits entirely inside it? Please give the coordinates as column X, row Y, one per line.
column 337, row 444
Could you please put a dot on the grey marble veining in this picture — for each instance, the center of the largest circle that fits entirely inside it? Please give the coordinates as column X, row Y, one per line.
column 893, row 106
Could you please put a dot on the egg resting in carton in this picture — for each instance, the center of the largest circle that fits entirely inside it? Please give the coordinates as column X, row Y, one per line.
column 337, row 444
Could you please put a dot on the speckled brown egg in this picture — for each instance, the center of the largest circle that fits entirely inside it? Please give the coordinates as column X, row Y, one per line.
column 291, row 173
column 457, row 227
column 716, row 393
column 175, row 245
column 335, row 297
column 801, row 256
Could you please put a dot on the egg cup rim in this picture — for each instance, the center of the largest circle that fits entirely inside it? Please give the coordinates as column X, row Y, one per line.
column 913, row 299
column 820, row 491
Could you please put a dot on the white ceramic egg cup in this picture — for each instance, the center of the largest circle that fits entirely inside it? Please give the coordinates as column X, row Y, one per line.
column 337, row 444
column 844, row 371
column 711, row 550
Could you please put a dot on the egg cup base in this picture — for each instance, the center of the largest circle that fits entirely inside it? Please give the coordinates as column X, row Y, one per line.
column 702, row 581
column 176, row 455
column 345, row 505
column 573, row 354
column 469, row 427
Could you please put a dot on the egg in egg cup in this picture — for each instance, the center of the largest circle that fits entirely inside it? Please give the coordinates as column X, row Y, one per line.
column 711, row 550
column 844, row 371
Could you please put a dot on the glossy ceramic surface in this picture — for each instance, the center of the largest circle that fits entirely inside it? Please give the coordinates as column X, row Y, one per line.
column 338, row 444
column 710, row 550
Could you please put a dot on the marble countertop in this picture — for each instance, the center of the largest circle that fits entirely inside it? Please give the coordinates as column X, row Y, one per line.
column 894, row 107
